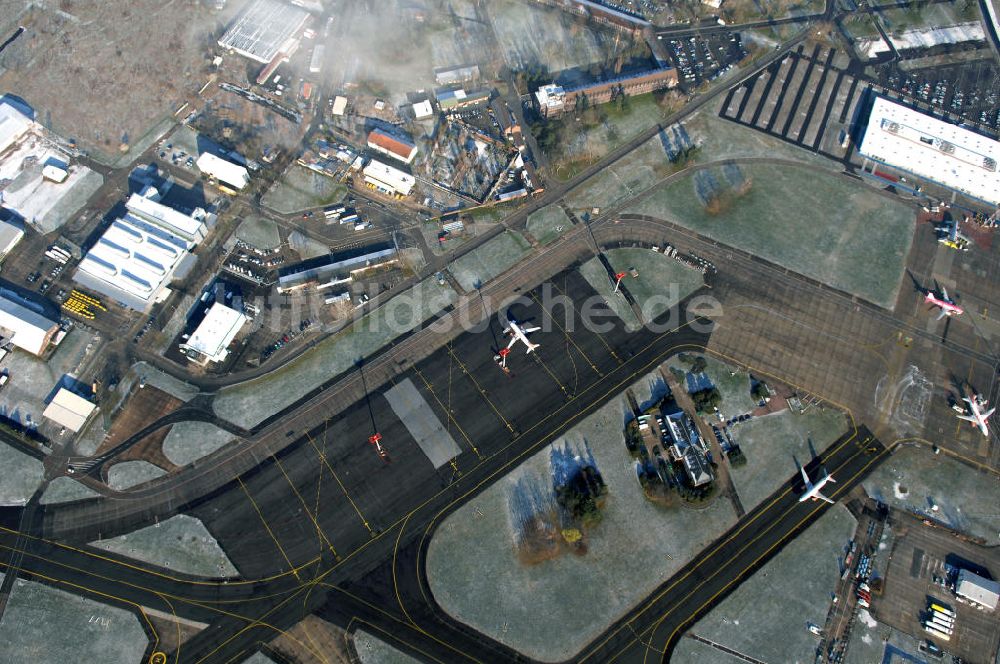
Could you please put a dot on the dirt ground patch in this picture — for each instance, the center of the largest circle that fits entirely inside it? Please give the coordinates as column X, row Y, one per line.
column 142, row 408
column 104, row 73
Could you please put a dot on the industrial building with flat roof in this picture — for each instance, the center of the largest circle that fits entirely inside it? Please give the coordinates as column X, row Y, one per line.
column 224, row 171
column 977, row 589
column 932, row 149
column 13, row 125
column 340, row 264
column 388, row 179
column 11, row 233
column 450, row 100
column 138, row 255
column 393, row 146
column 265, row 29
column 453, row 75
column 69, row 409
column 210, row 340
column 26, row 328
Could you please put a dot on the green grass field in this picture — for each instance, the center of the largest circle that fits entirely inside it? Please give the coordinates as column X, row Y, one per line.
column 823, row 226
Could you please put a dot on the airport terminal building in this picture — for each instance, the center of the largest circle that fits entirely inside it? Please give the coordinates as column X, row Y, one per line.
column 932, row 149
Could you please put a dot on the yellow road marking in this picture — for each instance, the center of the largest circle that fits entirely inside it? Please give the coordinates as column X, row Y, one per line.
column 267, row 527
column 482, row 392
column 599, row 336
column 566, row 334
column 326, row 463
column 447, row 412
column 319, row 530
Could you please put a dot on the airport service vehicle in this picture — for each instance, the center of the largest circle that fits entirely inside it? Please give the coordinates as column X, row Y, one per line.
column 936, row 633
column 812, row 491
column 518, row 333
column 942, row 609
column 945, row 622
column 944, row 303
column 976, row 415
column 941, row 627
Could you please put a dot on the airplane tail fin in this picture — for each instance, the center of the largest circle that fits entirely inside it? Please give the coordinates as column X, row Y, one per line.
column 532, row 347
column 829, row 478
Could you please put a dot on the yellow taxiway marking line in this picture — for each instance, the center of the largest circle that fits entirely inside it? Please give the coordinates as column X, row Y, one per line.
column 326, row 463
column 482, row 392
column 541, row 363
column 447, row 412
column 566, row 334
column 305, row 506
column 599, row 336
column 267, row 527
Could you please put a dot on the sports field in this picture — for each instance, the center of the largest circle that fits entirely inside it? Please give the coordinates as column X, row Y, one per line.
column 818, row 224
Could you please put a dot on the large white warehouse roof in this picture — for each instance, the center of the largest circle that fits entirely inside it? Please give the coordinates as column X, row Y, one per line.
column 13, row 125
column 932, row 149
column 265, row 28
column 224, row 171
column 212, row 337
column 132, row 262
column 26, row 329
column 190, row 227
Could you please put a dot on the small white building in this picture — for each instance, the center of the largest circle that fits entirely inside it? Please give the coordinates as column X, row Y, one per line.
column 339, row 105
column 10, row 234
column 978, row 590
column 316, row 61
column 210, row 340
column 69, row 410
column 423, row 109
column 388, row 179
column 551, row 99
column 55, row 173
column 226, row 172
column 26, row 328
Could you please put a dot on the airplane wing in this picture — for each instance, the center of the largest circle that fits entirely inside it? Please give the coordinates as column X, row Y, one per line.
column 527, row 330
column 513, row 340
column 822, row 497
column 969, row 418
column 988, row 413
column 944, row 312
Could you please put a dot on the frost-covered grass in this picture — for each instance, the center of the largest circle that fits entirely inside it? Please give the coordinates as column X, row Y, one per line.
column 20, row 477
column 767, row 616
column 914, row 479
column 66, row 489
column 127, row 474
column 373, row 650
column 662, row 282
column 476, row 576
column 858, row 244
column 772, row 443
column 181, row 543
column 548, row 224
column 259, row 231
column 733, row 386
column 46, row 625
column 301, row 189
column 188, row 441
column 251, row 402
column 485, row 262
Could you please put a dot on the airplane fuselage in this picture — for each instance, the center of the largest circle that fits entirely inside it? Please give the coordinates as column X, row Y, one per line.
column 947, row 306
